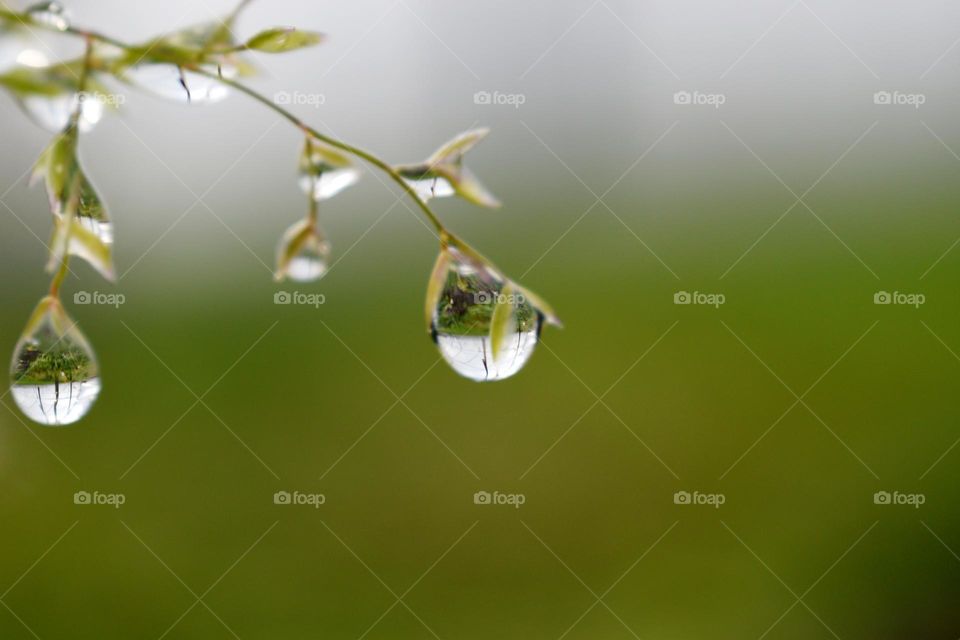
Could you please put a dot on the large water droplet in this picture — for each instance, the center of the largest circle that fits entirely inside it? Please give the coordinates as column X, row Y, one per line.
column 463, row 320
column 54, row 373
column 166, row 81
column 53, row 112
column 435, row 187
column 52, row 14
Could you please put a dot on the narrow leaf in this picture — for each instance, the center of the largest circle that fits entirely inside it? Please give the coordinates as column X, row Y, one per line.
column 500, row 324
column 282, row 39
column 452, row 151
column 292, row 242
column 438, row 278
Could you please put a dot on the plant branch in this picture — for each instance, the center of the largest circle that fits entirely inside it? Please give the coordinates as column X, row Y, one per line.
column 333, row 142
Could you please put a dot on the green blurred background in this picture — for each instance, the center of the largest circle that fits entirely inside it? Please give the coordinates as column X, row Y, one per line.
column 691, row 398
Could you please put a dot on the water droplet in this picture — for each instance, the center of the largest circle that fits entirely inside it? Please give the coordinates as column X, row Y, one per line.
column 435, row 187
column 54, row 373
column 303, row 254
column 463, row 319
column 53, row 112
column 19, row 47
column 325, row 171
column 166, row 81
column 52, row 14
column 329, row 183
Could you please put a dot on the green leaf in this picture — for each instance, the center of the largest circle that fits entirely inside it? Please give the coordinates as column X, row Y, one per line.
column 43, row 82
column 435, row 285
column 318, row 157
column 469, row 187
column 452, row 152
column 282, row 39
column 540, row 305
column 500, row 324
column 70, row 235
column 55, row 166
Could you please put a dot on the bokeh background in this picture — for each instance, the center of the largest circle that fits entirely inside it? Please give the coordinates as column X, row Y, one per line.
column 798, row 199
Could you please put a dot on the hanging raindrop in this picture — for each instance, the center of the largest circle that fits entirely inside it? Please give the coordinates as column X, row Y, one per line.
column 463, row 321
column 52, row 14
column 54, row 373
column 431, row 187
column 169, row 82
column 303, row 254
column 53, row 113
column 325, row 172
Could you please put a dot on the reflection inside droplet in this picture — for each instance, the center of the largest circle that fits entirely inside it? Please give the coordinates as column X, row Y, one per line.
column 329, row 183
column 428, row 188
column 463, row 322
column 472, row 356
column 54, row 373
column 166, row 81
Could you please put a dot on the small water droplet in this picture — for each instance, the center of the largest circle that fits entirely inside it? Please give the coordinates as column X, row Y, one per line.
column 54, row 373
column 52, row 14
column 166, row 81
column 19, row 47
column 428, row 187
column 302, row 254
column 463, row 318
column 329, row 183
column 53, row 113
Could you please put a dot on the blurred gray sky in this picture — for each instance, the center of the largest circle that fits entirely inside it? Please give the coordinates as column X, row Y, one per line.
column 597, row 81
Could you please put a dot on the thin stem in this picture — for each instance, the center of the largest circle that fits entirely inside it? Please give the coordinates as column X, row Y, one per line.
column 333, row 142
column 446, row 237
column 68, row 208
